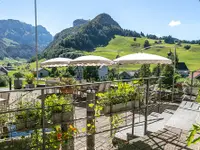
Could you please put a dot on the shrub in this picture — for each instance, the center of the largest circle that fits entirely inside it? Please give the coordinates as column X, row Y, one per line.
column 18, row 75
column 187, row 47
column 146, row 44
column 3, row 81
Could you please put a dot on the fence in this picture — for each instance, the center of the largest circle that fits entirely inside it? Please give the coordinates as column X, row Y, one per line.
column 84, row 116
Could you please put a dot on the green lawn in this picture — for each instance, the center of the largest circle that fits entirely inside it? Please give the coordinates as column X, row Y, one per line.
column 122, row 45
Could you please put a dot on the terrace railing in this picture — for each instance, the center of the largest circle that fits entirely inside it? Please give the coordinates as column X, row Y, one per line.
column 76, row 116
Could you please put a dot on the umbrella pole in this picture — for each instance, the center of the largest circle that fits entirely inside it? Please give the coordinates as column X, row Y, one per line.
column 174, row 71
column 118, row 73
column 36, row 39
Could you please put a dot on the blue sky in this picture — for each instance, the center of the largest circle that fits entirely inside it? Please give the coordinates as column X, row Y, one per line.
column 149, row 16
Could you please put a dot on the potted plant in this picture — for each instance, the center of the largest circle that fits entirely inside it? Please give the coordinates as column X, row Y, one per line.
column 65, row 82
column 29, row 79
column 122, row 98
column 189, row 88
column 18, row 81
column 59, row 108
column 27, row 118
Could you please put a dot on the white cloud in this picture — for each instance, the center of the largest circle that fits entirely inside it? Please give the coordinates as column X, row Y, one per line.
column 174, row 23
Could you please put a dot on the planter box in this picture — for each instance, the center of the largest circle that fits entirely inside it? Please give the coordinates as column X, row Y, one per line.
column 188, row 91
column 121, row 107
column 67, row 90
column 22, row 124
column 62, row 117
column 17, row 84
column 30, row 86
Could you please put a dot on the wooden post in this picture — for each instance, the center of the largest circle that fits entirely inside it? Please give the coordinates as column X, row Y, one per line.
column 65, row 126
column 160, row 88
column 90, row 120
column 146, row 107
column 133, row 119
column 43, row 119
column 10, row 83
column 192, row 81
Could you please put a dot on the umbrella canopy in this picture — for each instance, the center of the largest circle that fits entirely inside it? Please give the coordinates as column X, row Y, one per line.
column 91, row 60
column 56, row 62
column 142, row 58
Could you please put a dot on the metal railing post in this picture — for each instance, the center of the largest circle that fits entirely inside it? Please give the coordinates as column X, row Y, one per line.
column 90, row 121
column 146, row 107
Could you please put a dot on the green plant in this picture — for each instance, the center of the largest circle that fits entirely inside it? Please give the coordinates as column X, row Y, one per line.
column 194, row 132
column 124, row 93
column 18, row 75
column 55, row 139
column 55, row 103
column 67, row 81
column 28, row 112
column 29, row 78
column 116, row 120
column 3, row 81
column 188, row 82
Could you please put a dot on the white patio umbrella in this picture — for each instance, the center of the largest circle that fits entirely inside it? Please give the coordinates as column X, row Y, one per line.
column 56, row 62
column 91, row 60
column 142, row 58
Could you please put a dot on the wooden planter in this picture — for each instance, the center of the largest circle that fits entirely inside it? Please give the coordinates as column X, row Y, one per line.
column 28, row 86
column 18, row 84
column 121, row 107
column 58, row 118
column 67, row 90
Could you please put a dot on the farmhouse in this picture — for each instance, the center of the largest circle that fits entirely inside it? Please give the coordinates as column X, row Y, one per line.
column 183, row 69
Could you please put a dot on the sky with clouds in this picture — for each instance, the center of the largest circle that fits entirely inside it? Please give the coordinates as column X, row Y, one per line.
column 179, row 18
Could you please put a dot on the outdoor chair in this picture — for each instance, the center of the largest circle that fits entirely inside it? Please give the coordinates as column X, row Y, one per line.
column 4, row 101
column 101, row 88
column 107, row 86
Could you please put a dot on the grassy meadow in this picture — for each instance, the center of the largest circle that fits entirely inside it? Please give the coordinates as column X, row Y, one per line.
column 126, row 45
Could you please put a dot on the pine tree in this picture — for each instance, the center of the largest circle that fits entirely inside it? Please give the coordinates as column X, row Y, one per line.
column 145, row 71
column 156, row 71
column 168, row 72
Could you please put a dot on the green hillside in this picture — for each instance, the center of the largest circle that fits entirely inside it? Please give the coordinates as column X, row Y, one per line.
column 126, row 45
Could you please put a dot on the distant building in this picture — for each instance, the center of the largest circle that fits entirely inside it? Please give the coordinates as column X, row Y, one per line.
column 10, row 68
column 182, row 69
column 41, row 72
column 128, row 74
column 79, row 73
column 3, row 71
column 103, row 72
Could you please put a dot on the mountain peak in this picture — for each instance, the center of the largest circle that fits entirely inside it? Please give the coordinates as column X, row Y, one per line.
column 105, row 19
column 79, row 22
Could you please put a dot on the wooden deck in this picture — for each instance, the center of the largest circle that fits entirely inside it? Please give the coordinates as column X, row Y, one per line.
column 166, row 139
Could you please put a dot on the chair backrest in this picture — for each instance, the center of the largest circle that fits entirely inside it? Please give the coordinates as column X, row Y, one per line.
column 5, row 96
column 101, row 87
column 107, row 86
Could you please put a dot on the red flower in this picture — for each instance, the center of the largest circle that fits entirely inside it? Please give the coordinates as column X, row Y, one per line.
column 59, row 136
